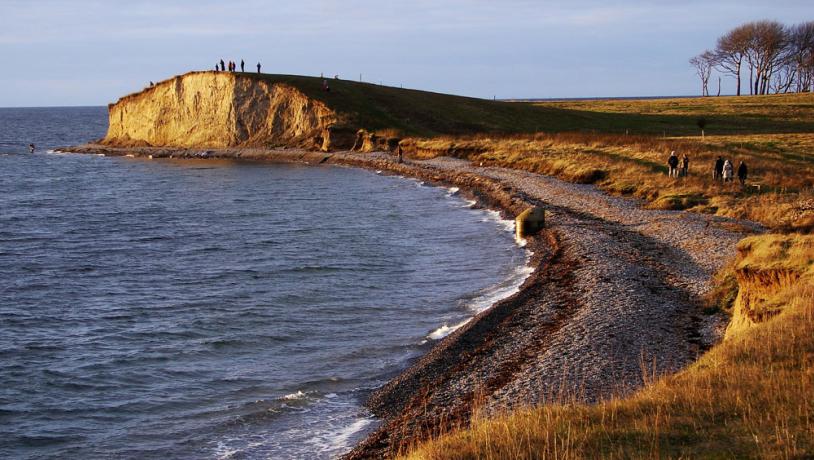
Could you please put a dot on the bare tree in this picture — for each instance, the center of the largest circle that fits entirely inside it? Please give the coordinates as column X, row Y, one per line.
column 765, row 52
column 800, row 56
column 703, row 64
column 731, row 51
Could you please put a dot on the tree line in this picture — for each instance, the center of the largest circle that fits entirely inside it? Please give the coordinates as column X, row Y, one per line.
column 778, row 58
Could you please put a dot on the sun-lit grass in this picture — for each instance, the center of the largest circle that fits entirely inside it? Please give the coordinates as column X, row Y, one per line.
column 751, row 396
column 779, row 191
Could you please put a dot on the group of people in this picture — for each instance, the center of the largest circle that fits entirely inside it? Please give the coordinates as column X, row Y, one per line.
column 221, row 66
column 723, row 171
column 673, row 163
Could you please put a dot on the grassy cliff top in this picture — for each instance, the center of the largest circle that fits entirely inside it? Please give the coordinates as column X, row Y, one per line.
column 424, row 113
column 427, row 114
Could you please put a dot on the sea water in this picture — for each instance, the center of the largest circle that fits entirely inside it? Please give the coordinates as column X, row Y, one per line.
column 217, row 309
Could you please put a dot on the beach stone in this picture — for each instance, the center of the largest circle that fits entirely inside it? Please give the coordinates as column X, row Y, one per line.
column 529, row 222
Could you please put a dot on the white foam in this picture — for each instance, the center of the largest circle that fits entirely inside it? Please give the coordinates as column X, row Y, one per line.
column 224, row 452
column 506, row 288
column 342, row 438
column 294, row 396
column 446, row 330
column 378, row 171
column 453, row 191
column 494, row 216
column 502, row 290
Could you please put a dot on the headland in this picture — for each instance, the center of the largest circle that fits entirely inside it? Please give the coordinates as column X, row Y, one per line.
column 621, row 291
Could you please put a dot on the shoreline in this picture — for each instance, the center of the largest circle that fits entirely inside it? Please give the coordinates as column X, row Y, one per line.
column 578, row 326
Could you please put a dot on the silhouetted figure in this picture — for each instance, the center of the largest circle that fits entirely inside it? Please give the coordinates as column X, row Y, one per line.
column 672, row 162
column 258, row 67
column 718, row 172
column 151, row 84
column 31, row 148
column 222, row 66
column 216, row 67
column 685, row 165
column 742, row 173
column 242, row 66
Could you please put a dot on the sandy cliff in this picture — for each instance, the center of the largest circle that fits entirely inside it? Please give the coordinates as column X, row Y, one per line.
column 769, row 269
column 219, row 109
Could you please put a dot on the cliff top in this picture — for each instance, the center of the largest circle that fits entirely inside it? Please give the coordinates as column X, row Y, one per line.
column 426, row 114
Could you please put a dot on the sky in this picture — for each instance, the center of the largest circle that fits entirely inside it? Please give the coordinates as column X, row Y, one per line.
column 91, row 52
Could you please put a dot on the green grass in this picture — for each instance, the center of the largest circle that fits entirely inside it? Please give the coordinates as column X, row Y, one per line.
column 427, row 114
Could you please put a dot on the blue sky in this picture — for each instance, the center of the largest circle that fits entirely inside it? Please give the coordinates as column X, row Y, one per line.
column 90, row 52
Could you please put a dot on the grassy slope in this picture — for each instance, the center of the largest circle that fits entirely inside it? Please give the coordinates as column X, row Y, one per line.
column 773, row 134
column 426, row 114
column 749, row 397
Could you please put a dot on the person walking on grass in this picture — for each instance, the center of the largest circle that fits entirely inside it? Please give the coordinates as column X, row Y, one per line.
column 717, row 173
column 742, row 173
column 222, row 66
column 672, row 162
column 242, row 66
column 727, row 171
column 685, row 165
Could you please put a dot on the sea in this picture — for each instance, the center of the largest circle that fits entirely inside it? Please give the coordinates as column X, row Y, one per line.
column 215, row 309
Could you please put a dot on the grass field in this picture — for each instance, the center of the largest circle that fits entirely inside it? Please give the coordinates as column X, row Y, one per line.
column 427, row 114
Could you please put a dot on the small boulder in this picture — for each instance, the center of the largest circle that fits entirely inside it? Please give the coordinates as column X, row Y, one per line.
column 529, row 222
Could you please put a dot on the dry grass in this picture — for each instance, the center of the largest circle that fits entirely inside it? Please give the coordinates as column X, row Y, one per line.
column 752, row 396
column 779, row 189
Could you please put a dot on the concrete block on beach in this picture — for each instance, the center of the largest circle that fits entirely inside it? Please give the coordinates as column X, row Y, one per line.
column 529, row 222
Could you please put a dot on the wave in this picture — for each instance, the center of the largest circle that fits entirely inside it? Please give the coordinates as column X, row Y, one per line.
column 299, row 395
column 497, row 292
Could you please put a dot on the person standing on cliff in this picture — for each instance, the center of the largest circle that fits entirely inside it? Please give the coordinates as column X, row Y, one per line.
column 222, row 66
column 242, row 66
column 258, row 67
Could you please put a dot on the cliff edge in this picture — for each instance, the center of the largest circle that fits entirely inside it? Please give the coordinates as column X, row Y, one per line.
column 216, row 110
column 232, row 109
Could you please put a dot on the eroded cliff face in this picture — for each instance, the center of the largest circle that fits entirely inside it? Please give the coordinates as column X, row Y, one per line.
column 217, row 110
column 769, row 270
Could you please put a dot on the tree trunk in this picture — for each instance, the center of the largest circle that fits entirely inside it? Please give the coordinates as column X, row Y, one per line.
column 738, row 76
column 719, row 87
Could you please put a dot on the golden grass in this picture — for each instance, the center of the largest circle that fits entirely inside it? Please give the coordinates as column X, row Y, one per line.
column 751, row 396
column 780, row 186
column 784, row 107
